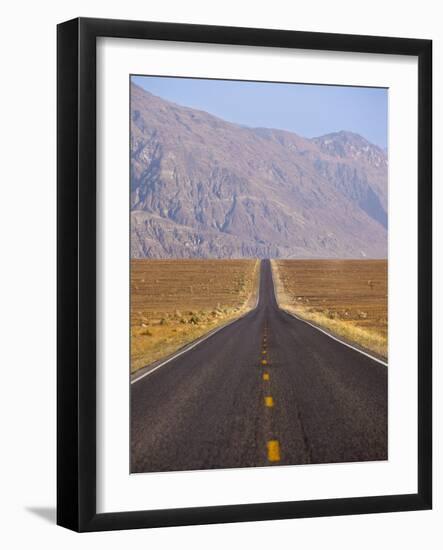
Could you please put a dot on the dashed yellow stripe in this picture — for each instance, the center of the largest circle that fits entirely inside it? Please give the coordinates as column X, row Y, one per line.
column 264, row 362
column 264, row 352
column 273, row 450
column 266, row 376
column 269, row 402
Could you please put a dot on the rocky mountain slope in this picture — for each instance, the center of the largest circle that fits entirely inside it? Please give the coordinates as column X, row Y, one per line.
column 202, row 187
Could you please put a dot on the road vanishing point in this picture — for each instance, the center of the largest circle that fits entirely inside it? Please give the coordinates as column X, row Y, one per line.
column 267, row 389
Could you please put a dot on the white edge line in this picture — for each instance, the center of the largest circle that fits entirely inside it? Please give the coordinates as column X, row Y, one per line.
column 201, row 340
column 325, row 331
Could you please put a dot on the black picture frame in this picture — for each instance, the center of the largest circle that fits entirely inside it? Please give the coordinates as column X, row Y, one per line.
column 76, row 265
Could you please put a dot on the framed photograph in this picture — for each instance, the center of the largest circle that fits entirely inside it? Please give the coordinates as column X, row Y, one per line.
column 244, row 274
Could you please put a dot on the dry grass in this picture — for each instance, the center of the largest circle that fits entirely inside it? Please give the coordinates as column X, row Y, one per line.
column 174, row 302
column 348, row 297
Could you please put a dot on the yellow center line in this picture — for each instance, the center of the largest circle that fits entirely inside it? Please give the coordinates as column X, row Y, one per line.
column 264, row 352
column 273, row 450
column 269, row 402
column 265, row 376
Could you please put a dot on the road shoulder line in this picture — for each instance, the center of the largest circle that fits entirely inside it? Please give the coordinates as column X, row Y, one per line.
column 324, row 331
column 192, row 345
column 335, row 338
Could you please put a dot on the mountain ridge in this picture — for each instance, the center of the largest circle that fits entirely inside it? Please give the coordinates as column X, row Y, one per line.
column 205, row 187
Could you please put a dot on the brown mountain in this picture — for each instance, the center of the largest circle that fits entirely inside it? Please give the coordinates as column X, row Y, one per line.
column 203, row 187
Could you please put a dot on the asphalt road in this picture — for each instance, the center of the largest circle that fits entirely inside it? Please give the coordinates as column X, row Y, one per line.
column 265, row 390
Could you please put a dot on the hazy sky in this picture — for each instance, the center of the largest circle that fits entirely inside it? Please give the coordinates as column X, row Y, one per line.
column 308, row 110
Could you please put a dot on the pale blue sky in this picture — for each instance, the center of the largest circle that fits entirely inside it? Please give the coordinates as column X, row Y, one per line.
column 308, row 110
